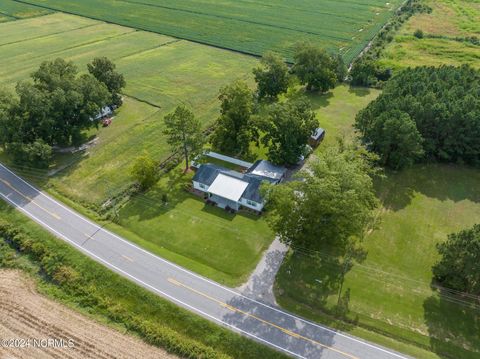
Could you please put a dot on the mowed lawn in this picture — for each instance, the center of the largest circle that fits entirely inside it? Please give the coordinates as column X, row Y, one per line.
column 450, row 19
column 390, row 290
column 336, row 110
column 226, row 247
column 223, row 246
column 248, row 26
column 161, row 72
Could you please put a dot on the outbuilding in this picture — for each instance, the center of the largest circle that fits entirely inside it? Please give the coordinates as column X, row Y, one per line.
column 317, row 137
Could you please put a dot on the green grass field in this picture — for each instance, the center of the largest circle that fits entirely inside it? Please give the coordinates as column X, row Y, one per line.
column 12, row 10
column 110, row 299
column 251, row 27
column 390, row 291
column 336, row 110
column 449, row 19
column 161, row 72
column 214, row 243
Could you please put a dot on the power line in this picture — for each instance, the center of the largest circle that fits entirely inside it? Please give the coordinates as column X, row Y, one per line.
column 373, row 272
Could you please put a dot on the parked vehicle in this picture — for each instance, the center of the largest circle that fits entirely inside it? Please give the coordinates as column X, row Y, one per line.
column 106, row 122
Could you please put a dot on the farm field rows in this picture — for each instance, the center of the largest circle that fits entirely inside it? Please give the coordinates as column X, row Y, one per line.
column 12, row 10
column 24, row 311
column 251, row 27
column 161, row 72
column 450, row 21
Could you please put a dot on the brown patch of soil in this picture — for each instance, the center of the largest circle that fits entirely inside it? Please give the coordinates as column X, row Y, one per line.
column 24, row 313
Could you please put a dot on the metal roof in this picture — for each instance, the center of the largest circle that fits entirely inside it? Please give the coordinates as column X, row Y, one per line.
column 208, row 173
column 228, row 187
column 267, row 170
column 318, row 133
column 228, row 159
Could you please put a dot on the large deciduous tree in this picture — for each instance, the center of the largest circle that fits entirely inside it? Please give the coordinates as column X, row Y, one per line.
column 287, row 130
column 233, row 130
column 459, row 266
column 184, row 133
column 53, row 110
column 272, row 76
column 364, row 73
column 104, row 70
column 332, row 202
column 315, row 68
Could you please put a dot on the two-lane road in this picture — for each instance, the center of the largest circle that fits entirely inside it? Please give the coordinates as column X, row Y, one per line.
column 272, row 326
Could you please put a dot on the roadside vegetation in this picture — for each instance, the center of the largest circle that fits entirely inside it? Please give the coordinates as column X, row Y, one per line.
column 451, row 36
column 70, row 277
column 373, row 254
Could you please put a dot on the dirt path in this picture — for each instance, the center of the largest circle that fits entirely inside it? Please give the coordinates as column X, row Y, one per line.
column 25, row 314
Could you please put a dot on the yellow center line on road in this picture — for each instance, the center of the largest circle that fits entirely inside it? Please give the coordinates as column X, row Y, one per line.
column 127, row 258
column 6, row 183
column 284, row 330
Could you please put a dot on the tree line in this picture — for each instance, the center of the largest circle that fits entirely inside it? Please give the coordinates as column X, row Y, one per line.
column 55, row 107
column 256, row 116
column 366, row 70
column 283, row 127
column 425, row 114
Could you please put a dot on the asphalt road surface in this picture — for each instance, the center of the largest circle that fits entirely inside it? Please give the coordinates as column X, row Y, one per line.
column 269, row 325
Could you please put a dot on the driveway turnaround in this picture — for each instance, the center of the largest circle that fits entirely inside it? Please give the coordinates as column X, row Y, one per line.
column 267, row 324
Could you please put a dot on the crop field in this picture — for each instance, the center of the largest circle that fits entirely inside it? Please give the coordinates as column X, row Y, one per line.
column 253, row 27
column 12, row 10
column 24, row 311
column 449, row 23
column 159, row 69
column 161, row 72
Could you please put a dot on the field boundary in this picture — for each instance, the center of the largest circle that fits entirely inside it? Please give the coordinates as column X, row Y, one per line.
column 48, row 35
column 10, row 16
column 369, row 44
column 349, row 59
column 233, row 19
column 243, row 52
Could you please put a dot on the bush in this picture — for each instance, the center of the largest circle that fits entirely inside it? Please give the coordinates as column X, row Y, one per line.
column 418, row 34
column 36, row 154
column 144, row 171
